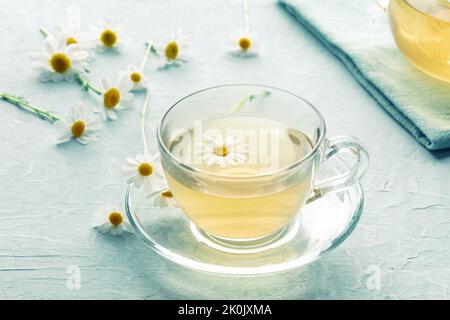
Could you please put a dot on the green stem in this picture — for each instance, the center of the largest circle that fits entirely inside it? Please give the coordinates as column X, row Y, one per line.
column 246, row 17
column 84, row 83
column 23, row 104
column 251, row 97
column 44, row 32
column 150, row 48
column 143, row 112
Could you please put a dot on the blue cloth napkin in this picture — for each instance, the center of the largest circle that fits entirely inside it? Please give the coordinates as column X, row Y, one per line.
column 358, row 33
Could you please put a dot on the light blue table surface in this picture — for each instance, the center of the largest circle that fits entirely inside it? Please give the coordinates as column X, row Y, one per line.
column 49, row 194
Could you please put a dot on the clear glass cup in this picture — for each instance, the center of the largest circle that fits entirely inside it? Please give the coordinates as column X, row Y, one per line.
column 244, row 210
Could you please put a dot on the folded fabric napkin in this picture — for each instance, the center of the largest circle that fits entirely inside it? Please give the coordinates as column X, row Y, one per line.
column 358, row 33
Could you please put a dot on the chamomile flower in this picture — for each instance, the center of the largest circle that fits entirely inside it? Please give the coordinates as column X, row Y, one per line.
column 67, row 34
column 110, row 219
column 163, row 199
column 115, row 96
column 144, row 171
column 244, row 44
column 107, row 36
column 137, row 78
column 58, row 61
column 82, row 125
column 217, row 150
column 173, row 51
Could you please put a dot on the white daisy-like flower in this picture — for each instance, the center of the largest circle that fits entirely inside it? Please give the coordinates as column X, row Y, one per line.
column 69, row 32
column 217, row 150
column 144, row 171
column 115, row 97
column 137, row 78
column 174, row 50
column 245, row 44
column 58, row 61
column 110, row 219
column 163, row 198
column 82, row 125
column 107, row 36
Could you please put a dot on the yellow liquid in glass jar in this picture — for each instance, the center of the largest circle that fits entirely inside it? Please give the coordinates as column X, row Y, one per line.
column 421, row 29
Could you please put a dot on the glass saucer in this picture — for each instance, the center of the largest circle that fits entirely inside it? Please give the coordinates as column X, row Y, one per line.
column 320, row 227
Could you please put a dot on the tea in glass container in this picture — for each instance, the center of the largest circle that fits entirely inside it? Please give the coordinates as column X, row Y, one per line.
column 421, row 29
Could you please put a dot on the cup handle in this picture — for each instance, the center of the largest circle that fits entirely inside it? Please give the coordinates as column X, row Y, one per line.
column 353, row 174
column 383, row 4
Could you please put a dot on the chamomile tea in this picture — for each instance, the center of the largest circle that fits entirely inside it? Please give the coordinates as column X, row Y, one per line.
column 235, row 190
column 421, row 29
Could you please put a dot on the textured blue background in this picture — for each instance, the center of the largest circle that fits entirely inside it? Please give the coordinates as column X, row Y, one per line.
column 48, row 194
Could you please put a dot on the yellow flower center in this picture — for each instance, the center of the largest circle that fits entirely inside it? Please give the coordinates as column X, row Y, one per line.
column 111, row 98
column 167, row 194
column 108, row 38
column 145, row 169
column 115, row 218
column 70, row 41
column 221, row 151
column 78, row 128
column 245, row 43
column 172, row 50
column 136, row 77
column 60, row 62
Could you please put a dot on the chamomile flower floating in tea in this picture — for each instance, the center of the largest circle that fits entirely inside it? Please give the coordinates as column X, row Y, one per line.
column 228, row 151
column 82, row 125
column 110, row 219
column 144, row 171
column 163, row 199
column 173, row 51
column 58, row 61
column 108, row 36
column 115, row 97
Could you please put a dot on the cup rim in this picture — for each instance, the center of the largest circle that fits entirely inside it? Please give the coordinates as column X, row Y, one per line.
column 292, row 166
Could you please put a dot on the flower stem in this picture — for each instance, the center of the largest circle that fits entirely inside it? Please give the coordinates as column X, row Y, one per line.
column 84, row 83
column 143, row 112
column 23, row 104
column 246, row 17
column 243, row 101
column 44, row 32
column 150, row 48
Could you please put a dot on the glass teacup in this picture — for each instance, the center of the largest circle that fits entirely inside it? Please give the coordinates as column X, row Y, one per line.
column 226, row 189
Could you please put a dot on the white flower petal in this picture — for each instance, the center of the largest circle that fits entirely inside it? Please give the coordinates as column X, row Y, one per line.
column 46, row 76
column 105, row 227
column 57, row 77
column 111, row 114
column 69, row 76
column 116, row 230
column 140, row 158
column 104, row 84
